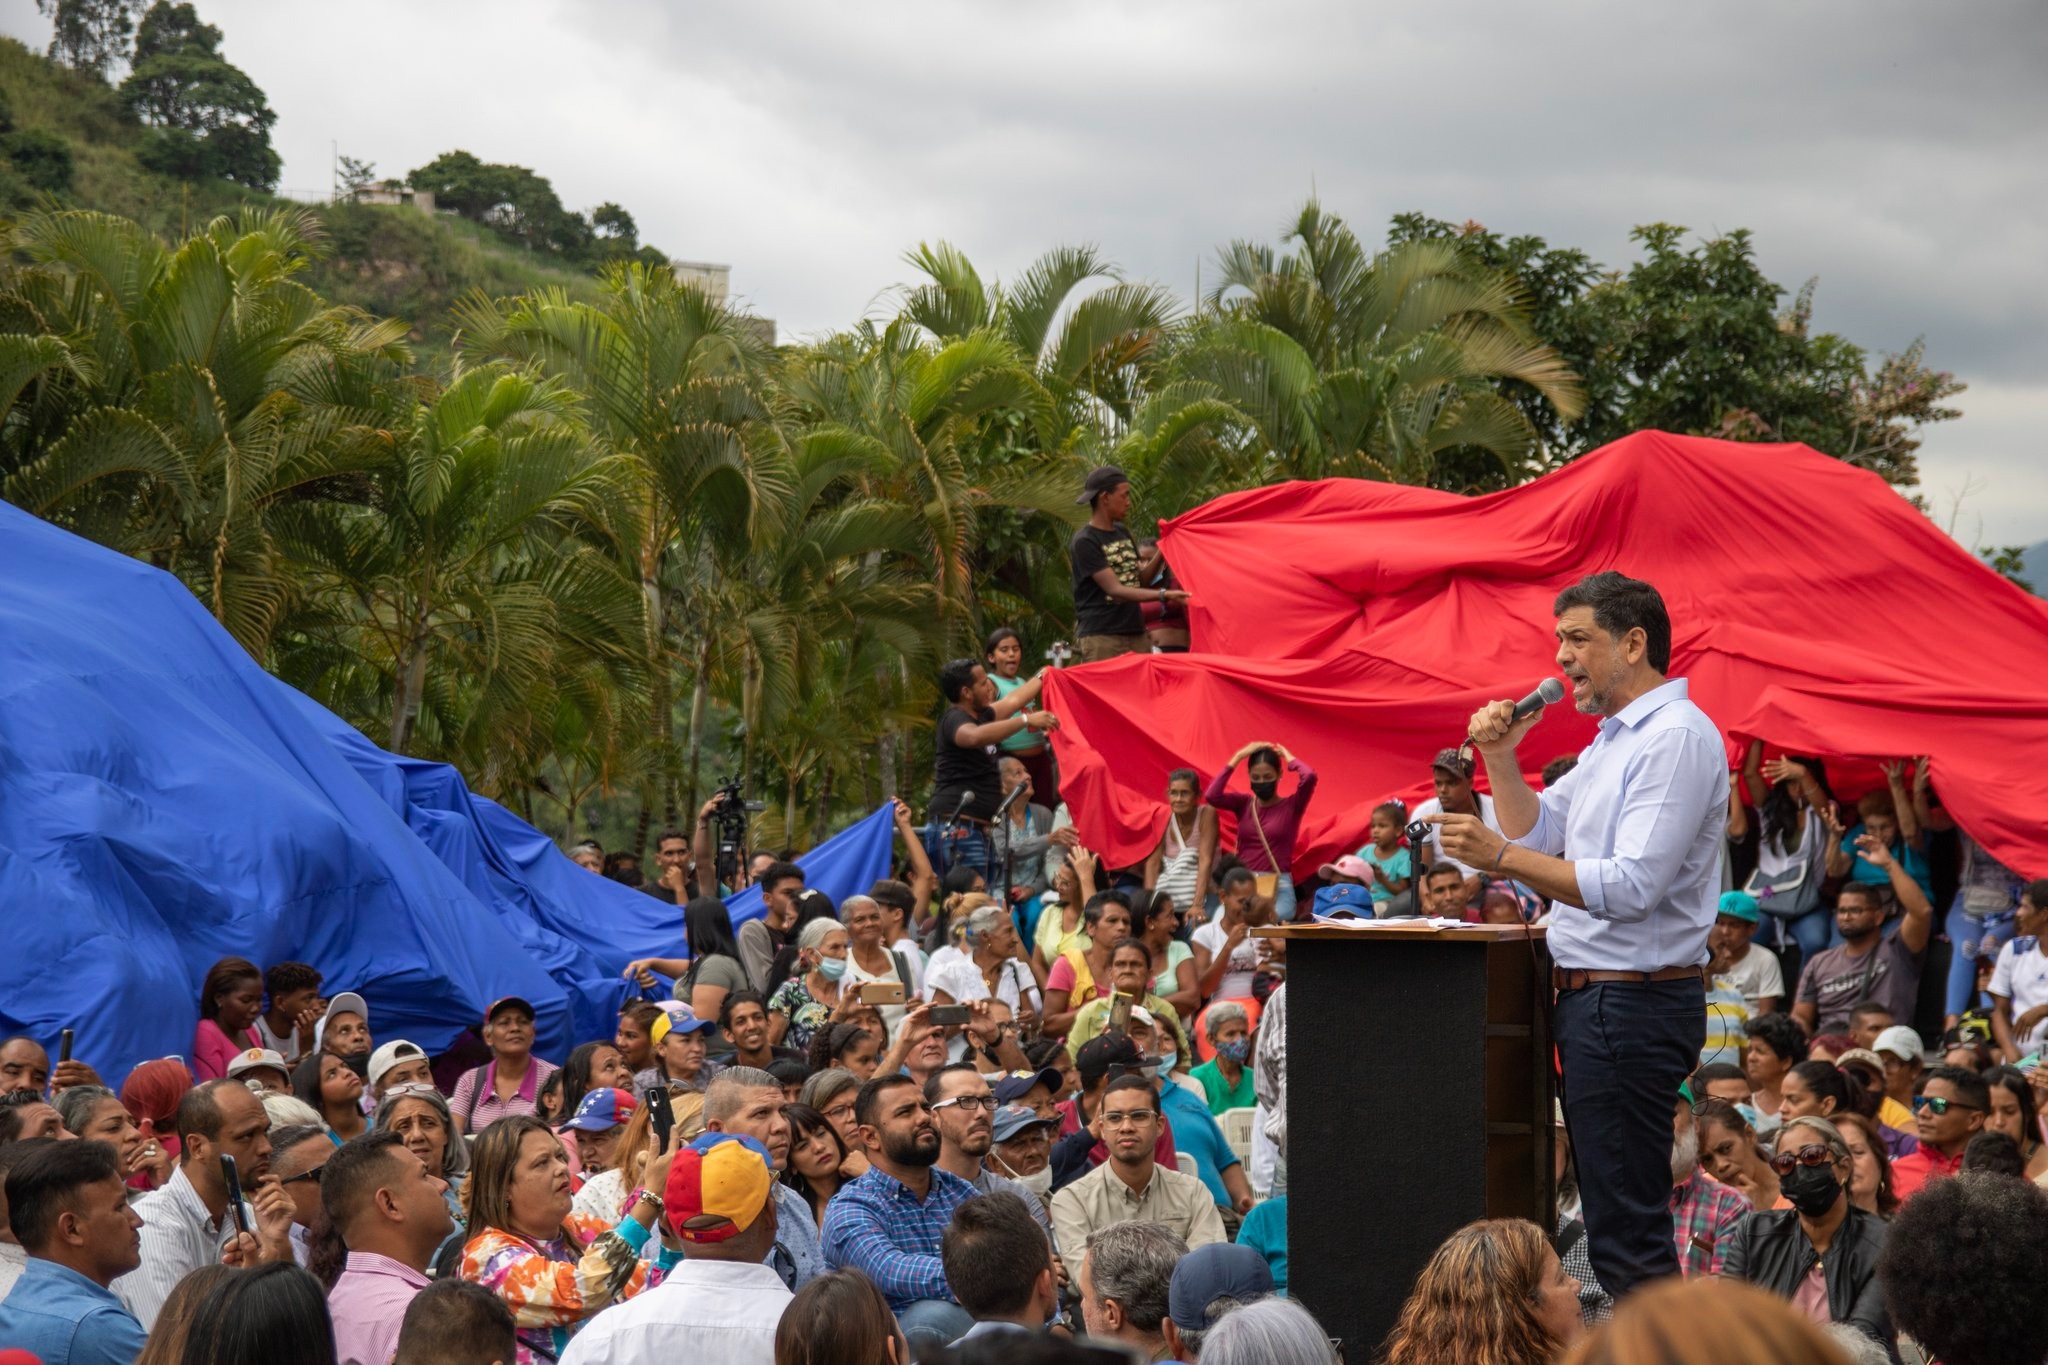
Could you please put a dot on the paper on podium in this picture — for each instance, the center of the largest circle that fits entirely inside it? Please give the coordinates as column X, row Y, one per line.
column 1399, row 922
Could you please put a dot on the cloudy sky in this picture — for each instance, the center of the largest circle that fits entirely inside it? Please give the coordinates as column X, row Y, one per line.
column 1894, row 150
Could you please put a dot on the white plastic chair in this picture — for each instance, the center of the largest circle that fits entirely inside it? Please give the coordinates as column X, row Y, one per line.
column 1237, row 1131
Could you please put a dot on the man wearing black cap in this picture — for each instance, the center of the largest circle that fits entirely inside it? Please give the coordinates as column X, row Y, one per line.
column 1109, row 574
column 1452, row 773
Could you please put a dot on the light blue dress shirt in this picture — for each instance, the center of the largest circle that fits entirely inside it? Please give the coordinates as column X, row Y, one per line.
column 65, row 1319
column 1643, row 818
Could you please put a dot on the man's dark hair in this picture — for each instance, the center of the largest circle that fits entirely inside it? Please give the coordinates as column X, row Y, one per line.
column 1236, row 877
column 1437, row 869
column 893, row 895
column 283, row 1140
column 43, row 1184
column 1130, row 1080
column 1781, row 1033
column 956, row 677
column 1716, row 1071
column 869, row 1100
column 1968, row 1085
column 199, row 1113
column 668, row 834
column 1994, row 1154
column 11, row 1105
column 1869, row 893
column 455, row 1322
column 992, row 1252
column 1620, row 604
column 789, row 1071
column 1961, row 1270
column 734, row 999
column 775, row 872
column 354, row 1174
column 931, row 1082
column 285, row 977
column 1865, row 1008
column 1554, row 771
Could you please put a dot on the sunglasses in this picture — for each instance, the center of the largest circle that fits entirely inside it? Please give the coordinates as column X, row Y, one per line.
column 1814, row 1154
column 1937, row 1105
column 312, row 1175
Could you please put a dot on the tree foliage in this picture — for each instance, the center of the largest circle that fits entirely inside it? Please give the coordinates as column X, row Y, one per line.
column 90, row 35
column 615, row 543
column 1697, row 339
column 208, row 118
column 523, row 207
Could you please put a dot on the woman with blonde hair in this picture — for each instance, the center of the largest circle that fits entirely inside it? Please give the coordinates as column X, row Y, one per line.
column 1493, row 1294
column 1706, row 1321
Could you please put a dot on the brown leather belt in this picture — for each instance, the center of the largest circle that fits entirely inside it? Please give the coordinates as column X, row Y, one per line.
column 1577, row 979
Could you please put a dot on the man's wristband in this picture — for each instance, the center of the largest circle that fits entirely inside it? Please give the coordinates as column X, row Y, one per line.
column 1504, row 847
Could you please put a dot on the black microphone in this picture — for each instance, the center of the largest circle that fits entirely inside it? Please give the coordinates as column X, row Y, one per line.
column 1547, row 693
column 966, row 800
column 1004, row 809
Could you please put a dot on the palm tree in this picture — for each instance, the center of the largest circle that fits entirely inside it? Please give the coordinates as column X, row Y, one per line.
column 1345, row 363
column 473, row 579
column 169, row 402
column 673, row 383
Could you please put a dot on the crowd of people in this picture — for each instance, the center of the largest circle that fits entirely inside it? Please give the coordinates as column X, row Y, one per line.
column 1012, row 1104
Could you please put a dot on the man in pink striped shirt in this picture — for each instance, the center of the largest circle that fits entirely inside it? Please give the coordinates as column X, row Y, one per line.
column 391, row 1211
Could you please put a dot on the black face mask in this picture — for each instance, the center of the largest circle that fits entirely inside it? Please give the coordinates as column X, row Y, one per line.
column 1265, row 791
column 1812, row 1189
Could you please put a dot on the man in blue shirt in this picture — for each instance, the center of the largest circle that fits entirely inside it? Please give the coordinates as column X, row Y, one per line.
column 888, row 1223
column 1196, row 1134
column 1627, row 846
column 68, row 1208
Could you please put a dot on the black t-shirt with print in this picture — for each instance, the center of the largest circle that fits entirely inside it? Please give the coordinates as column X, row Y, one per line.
column 957, row 770
column 1095, row 611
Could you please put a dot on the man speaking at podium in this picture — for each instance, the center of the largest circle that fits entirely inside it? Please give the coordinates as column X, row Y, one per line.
column 1627, row 847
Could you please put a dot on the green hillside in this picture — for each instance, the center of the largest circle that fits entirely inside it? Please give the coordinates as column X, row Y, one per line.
column 396, row 262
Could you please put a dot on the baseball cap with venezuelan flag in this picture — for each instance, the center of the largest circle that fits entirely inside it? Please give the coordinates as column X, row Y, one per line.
column 718, row 1186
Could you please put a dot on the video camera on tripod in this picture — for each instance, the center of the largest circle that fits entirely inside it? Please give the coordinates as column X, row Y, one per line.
column 729, row 825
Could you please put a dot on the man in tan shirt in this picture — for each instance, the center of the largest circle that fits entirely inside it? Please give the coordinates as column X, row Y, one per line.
column 1131, row 1185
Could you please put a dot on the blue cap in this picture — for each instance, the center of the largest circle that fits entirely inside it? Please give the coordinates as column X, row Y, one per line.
column 1216, row 1271
column 1740, row 905
column 1013, row 1119
column 1017, row 1084
column 603, row 1108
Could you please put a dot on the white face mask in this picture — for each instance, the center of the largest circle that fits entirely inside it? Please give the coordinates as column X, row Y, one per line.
column 1038, row 1184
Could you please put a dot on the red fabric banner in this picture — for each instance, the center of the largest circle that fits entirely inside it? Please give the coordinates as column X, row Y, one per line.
column 1360, row 624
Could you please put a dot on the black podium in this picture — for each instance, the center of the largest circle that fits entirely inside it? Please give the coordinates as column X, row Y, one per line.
column 1419, row 1094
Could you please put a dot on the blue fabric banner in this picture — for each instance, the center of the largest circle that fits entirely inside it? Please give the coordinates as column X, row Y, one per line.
column 164, row 803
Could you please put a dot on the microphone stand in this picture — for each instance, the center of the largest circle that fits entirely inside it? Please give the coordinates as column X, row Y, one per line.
column 951, row 829
column 1002, row 818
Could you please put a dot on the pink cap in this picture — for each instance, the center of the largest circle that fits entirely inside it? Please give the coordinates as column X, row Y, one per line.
column 1350, row 865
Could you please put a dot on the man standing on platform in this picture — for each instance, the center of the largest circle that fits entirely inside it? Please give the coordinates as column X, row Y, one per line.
column 1110, row 577
column 1627, row 847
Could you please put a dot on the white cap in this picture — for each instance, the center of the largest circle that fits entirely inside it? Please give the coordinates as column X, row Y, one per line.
column 348, row 1002
column 255, row 1059
column 1901, row 1042
column 1144, row 1016
column 391, row 1054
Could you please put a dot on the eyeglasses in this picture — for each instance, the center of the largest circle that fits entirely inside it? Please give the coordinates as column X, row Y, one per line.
column 1122, row 1117
column 969, row 1102
column 1938, row 1105
column 839, row 1113
column 312, row 1175
column 1814, row 1154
